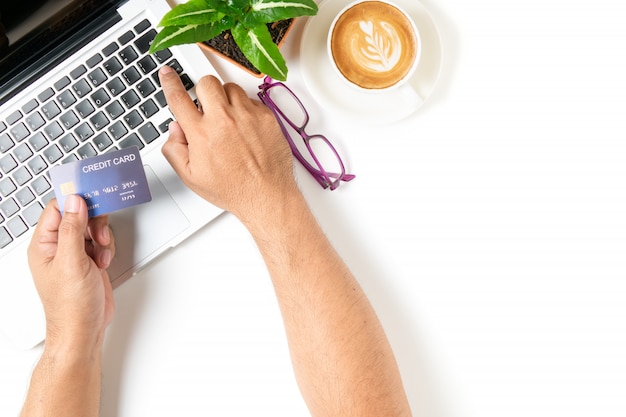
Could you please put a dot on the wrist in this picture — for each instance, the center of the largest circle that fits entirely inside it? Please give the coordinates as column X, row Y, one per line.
column 74, row 345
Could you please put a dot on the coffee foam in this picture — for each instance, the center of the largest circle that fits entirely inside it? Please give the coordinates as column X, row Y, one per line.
column 373, row 45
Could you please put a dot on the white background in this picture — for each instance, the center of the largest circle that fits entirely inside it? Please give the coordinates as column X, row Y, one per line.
column 488, row 230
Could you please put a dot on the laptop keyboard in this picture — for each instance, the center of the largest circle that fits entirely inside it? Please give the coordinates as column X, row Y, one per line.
column 102, row 105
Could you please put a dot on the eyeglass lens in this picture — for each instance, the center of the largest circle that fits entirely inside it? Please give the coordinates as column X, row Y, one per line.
column 320, row 148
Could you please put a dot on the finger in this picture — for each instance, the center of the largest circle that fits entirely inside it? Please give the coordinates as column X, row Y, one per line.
column 102, row 240
column 72, row 228
column 176, row 150
column 210, row 92
column 44, row 240
column 177, row 98
column 236, row 95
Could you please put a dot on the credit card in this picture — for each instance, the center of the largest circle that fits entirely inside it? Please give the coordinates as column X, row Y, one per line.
column 108, row 182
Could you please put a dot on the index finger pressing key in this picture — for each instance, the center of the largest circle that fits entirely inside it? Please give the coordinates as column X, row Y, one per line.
column 181, row 105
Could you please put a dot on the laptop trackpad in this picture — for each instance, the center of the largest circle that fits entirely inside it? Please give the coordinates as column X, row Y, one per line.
column 141, row 232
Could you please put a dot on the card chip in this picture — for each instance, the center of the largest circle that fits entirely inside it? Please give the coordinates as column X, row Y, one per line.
column 68, row 188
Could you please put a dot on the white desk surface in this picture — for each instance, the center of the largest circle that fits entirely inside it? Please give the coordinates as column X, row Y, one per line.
column 488, row 230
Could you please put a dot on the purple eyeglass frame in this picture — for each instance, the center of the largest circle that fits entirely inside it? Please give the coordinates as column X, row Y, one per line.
column 324, row 178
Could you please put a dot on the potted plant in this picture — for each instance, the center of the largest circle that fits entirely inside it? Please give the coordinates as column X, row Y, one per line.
column 248, row 22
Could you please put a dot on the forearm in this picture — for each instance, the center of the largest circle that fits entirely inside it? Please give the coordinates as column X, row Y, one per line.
column 66, row 382
column 342, row 359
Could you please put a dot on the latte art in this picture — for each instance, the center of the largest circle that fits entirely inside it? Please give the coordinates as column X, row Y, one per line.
column 379, row 49
column 373, row 45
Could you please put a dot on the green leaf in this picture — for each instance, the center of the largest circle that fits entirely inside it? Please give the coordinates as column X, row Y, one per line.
column 257, row 45
column 266, row 11
column 235, row 8
column 177, row 35
column 194, row 12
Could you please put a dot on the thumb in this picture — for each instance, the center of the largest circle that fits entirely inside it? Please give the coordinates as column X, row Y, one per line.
column 72, row 228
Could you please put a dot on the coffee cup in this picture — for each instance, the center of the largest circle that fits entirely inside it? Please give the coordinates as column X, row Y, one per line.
column 375, row 47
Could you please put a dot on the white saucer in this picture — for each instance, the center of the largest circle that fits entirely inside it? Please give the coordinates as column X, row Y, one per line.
column 333, row 93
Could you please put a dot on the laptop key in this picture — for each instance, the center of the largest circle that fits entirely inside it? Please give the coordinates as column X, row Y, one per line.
column 7, row 187
column 37, row 165
column 146, row 87
column 19, row 132
column 99, row 120
column 165, row 126
column 85, row 108
column 7, row 164
column 160, row 98
column 148, row 108
column 141, row 26
column 114, row 110
column 81, row 88
column 48, row 196
column 25, row 196
column 40, row 185
column 126, row 37
column 110, row 48
column 9, row 207
column 69, row 119
column 97, row 77
column 163, row 55
column 118, row 130
column 113, row 65
column 32, row 213
column 148, row 132
column 53, row 130
column 115, row 86
column 16, row 226
column 146, row 64
column 53, row 154
column 69, row 158
column 84, row 132
column 22, row 176
column 78, row 71
column 22, row 152
column 38, row 141
column 100, row 97
column 87, row 151
column 132, row 140
column 130, row 99
column 35, row 121
column 68, row 143
column 102, row 141
column 50, row 110
column 133, row 119
column 6, row 143
column 128, row 55
column 62, row 83
column 94, row 60
column 45, row 94
column 5, row 237
column 66, row 99
column 14, row 117
column 30, row 106
column 144, row 41
column 131, row 75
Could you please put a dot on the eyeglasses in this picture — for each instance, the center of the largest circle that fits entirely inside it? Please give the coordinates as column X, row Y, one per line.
column 315, row 152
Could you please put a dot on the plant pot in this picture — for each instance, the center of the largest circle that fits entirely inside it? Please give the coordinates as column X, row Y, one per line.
column 225, row 47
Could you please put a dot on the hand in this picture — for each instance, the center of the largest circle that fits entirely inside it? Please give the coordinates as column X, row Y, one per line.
column 68, row 257
column 233, row 153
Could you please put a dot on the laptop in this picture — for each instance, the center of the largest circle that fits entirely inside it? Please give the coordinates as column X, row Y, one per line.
column 76, row 81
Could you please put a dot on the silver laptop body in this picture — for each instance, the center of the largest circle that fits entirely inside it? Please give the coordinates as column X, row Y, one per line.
column 97, row 94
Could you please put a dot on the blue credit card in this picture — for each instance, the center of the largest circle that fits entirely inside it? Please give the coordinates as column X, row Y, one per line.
column 107, row 182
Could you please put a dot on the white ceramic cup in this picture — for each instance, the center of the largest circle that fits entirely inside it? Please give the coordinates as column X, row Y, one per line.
column 379, row 45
